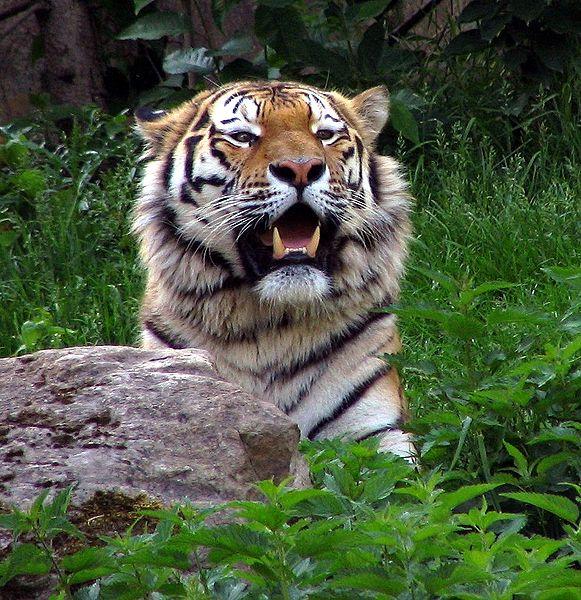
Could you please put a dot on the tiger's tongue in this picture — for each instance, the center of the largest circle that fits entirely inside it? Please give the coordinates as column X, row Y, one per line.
column 295, row 235
column 292, row 235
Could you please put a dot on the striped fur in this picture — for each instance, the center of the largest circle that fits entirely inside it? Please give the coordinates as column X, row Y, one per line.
column 303, row 336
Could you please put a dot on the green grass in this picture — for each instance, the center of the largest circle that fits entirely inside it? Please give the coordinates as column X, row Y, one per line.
column 69, row 262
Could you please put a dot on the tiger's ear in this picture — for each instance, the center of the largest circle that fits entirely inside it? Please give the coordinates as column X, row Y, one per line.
column 151, row 124
column 372, row 106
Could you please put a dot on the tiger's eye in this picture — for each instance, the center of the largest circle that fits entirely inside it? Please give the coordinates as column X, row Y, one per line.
column 244, row 137
column 325, row 134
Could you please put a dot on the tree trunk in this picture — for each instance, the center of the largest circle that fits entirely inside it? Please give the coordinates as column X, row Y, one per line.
column 47, row 46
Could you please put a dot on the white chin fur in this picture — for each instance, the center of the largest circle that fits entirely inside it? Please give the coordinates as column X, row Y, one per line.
column 293, row 284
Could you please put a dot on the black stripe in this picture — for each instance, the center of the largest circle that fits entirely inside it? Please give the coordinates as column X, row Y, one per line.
column 359, row 144
column 168, row 169
column 349, row 152
column 348, row 401
column 237, row 105
column 201, row 121
column 303, row 392
column 199, row 182
column 192, row 246
column 168, row 339
column 186, row 197
column 373, row 178
column 336, row 107
column 318, row 100
column 238, row 93
column 225, row 121
column 395, row 427
column 216, row 153
column 229, row 283
column 334, row 345
column 191, row 144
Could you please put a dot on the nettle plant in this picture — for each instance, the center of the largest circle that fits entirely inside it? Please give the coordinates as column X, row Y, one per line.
column 372, row 527
column 503, row 415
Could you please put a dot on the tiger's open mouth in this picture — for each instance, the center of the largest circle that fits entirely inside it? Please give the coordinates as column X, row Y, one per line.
column 297, row 231
column 297, row 237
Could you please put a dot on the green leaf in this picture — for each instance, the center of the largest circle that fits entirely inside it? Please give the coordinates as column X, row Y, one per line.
column 403, row 120
column 546, row 577
column 395, row 60
column 519, row 459
column 91, row 574
column 154, row 26
column 15, row 521
column 14, row 153
column 466, row 42
column 365, row 10
column 558, row 433
column 467, row 296
column 294, row 497
column 367, row 55
column 558, row 505
column 183, row 61
column 527, row 10
column 444, row 280
column 325, row 543
column 476, row 10
column 570, row 276
column 373, row 582
column 235, row 46
column 504, row 397
column 265, row 514
column 572, row 348
column 59, row 505
column 453, row 499
column 422, row 312
column 139, row 5
column 552, row 460
column 24, row 559
column 464, row 326
column 491, row 27
column 30, row 181
column 87, row 558
column 516, row 315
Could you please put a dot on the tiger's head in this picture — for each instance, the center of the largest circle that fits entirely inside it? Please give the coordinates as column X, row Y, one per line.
column 273, row 185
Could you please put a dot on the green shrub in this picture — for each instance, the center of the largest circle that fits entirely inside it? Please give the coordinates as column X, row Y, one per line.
column 371, row 528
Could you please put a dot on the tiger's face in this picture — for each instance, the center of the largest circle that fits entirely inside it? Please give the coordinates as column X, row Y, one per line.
column 273, row 178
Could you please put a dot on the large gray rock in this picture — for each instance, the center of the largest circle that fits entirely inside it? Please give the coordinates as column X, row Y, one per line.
column 124, row 421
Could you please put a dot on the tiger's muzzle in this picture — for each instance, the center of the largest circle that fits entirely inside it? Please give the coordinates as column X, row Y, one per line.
column 298, row 237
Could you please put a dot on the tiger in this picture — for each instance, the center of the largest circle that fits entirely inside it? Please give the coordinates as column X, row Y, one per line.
column 272, row 234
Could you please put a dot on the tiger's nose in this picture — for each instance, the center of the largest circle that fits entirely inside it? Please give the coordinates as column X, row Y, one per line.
column 299, row 174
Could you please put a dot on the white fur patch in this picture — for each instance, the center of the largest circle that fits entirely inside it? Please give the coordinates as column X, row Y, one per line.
column 293, row 284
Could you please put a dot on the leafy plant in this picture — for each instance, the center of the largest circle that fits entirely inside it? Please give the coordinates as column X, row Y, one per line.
column 495, row 407
column 535, row 38
column 338, row 43
column 372, row 528
column 41, row 332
